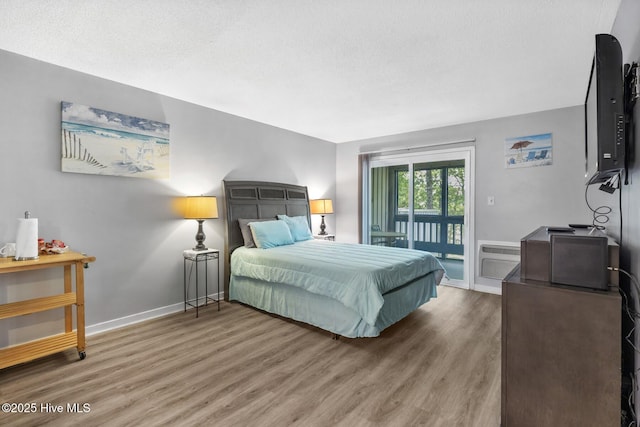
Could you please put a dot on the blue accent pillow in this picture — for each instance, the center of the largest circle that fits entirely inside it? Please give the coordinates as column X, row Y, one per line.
column 298, row 226
column 269, row 234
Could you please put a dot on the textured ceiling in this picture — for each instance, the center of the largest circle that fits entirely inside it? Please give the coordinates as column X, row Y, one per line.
column 339, row 70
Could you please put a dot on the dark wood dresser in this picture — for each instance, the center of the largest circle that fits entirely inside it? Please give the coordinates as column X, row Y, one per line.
column 561, row 354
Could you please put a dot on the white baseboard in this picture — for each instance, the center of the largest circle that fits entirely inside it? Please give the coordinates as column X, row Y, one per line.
column 497, row 290
column 139, row 317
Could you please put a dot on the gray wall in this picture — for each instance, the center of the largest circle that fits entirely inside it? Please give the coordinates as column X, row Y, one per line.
column 525, row 198
column 627, row 30
column 128, row 223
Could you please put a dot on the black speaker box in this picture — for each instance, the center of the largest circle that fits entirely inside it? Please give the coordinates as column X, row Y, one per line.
column 580, row 261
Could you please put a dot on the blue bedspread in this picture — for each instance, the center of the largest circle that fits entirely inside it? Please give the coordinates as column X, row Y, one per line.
column 342, row 271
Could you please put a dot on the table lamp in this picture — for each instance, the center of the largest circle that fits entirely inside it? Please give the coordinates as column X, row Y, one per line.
column 200, row 208
column 321, row 207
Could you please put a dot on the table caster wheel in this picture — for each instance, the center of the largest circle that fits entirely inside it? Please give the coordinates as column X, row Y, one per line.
column 82, row 355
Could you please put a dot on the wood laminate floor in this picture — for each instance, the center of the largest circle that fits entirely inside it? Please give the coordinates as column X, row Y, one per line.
column 440, row 366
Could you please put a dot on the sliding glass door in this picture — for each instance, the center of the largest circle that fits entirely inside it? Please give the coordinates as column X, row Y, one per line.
column 421, row 202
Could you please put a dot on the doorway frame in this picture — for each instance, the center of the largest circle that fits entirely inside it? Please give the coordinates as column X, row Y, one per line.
column 466, row 153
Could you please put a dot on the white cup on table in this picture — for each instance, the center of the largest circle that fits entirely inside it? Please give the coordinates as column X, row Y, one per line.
column 8, row 250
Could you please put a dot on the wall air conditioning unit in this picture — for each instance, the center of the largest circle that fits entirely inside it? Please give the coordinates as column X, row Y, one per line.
column 497, row 259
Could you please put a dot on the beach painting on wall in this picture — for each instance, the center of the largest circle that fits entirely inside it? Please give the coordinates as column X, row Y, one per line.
column 101, row 142
column 526, row 151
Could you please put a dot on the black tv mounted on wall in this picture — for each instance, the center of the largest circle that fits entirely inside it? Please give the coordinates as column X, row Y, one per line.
column 605, row 113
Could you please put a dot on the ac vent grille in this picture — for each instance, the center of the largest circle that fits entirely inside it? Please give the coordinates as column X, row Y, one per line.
column 501, row 250
column 497, row 259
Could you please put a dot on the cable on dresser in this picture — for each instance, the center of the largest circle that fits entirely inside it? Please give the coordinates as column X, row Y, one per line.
column 600, row 214
column 633, row 315
column 632, row 376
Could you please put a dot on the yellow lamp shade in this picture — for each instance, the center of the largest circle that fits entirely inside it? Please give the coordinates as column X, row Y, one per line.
column 321, row 206
column 200, row 207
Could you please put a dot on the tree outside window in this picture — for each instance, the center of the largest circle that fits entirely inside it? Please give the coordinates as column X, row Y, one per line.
column 427, row 191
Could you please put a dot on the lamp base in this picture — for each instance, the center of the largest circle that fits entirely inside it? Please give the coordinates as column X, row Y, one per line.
column 200, row 237
column 322, row 227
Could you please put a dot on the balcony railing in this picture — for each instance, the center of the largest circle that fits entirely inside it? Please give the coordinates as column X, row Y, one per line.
column 442, row 235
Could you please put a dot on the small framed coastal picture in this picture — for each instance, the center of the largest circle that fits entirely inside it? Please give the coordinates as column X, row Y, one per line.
column 96, row 141
column 530, row 150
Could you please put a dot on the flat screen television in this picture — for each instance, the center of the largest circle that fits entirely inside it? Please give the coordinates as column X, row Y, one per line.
column 604, row 112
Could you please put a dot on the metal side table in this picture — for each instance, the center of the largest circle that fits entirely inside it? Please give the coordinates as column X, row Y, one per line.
column 194, row 258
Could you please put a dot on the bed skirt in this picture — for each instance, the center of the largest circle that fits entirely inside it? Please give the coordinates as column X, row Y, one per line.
column 329, row 314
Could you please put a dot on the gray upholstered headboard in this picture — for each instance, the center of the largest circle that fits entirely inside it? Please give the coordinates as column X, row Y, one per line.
column 258, row 199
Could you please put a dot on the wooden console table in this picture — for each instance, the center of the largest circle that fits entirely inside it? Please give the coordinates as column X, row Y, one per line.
column 53, row 344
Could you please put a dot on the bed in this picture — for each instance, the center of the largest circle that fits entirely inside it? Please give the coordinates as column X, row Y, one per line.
column 351, row 290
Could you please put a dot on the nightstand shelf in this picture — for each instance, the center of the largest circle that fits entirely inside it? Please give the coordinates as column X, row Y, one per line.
column 331, row 237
